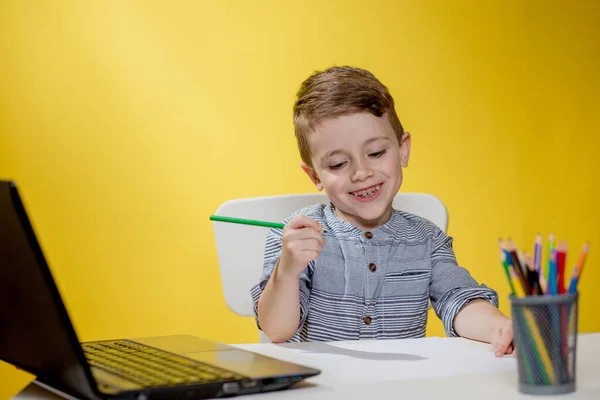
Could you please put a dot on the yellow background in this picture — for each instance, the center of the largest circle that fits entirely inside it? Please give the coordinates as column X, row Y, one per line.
column 127, row 123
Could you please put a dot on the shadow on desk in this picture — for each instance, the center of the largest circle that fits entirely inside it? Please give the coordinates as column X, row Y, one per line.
column 325, row 348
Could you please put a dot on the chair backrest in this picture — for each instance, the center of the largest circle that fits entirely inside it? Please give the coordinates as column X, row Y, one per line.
column 240, row 248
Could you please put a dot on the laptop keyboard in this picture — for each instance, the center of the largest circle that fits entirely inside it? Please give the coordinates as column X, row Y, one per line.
column 151, row 367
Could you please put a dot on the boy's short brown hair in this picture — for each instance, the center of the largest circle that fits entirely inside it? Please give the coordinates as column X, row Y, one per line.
column 340, row 91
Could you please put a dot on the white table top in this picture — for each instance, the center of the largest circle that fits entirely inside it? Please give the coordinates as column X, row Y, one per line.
column 488, row 386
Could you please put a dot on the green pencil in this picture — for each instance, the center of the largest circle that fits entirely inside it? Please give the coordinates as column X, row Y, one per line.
column 254, row 222
column 506, row 265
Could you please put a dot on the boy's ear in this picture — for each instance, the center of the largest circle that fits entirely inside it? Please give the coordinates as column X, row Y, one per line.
column 405, row 149
column 312, row 174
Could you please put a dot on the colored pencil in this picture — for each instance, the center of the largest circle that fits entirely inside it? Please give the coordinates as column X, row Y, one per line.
column 552, row 279
column 564, row 310
column 538, row 261
column 582, row 258
column 518, row 284
column 550, row 250
column 515, row 283
column 543, row 283
column 253, row 222
column 506, row 266
column 534, row 369
column 561, row 319
column 578, row 268
column 532, row 276
column 537, row 253
column 539, row 343
column 574, row 280
column 561, row 258
column 512, row 251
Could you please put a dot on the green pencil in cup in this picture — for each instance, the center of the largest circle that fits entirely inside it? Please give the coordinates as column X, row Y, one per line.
column 266, row 224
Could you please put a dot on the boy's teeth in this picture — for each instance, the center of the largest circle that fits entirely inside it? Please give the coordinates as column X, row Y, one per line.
column 366, row 193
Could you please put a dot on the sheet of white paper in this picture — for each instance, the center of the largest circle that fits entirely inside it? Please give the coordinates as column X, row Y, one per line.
column 375, row 361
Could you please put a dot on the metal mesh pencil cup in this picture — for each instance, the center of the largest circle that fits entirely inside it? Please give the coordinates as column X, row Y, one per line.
column 545, row 338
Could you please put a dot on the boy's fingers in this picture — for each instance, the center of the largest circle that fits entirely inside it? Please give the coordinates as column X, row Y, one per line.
column 500, row 350
column 511, row 349
column 306, row 233
column 311, row 244
column 311, row 254
column 302, row 221
column 503, row 344
column 313, row 234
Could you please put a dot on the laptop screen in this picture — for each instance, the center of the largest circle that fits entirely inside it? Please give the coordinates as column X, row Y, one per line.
column 35, row 330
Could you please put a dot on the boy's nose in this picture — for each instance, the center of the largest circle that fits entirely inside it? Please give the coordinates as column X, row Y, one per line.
column 362, row 172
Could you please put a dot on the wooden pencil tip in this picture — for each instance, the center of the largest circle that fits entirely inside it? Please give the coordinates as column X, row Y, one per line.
column 586, row 246
column 528, row 261
column 511, row 244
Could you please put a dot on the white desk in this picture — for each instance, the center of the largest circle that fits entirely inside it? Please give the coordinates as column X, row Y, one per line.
column 326, row 386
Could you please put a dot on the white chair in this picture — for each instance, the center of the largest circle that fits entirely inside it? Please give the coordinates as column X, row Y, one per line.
column 240, row 248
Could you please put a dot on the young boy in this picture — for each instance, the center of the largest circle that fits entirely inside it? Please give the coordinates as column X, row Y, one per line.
column 357, row 268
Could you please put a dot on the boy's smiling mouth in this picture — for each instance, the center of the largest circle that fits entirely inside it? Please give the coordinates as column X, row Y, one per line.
column 367, row 193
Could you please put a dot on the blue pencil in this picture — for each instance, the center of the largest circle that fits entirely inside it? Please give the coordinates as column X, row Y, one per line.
column 552, row 288
column 574, row 281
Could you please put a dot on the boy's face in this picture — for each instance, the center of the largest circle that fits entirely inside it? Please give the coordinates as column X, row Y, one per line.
column 358, row 161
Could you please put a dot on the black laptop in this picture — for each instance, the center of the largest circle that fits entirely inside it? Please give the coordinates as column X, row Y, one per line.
column 36, row 335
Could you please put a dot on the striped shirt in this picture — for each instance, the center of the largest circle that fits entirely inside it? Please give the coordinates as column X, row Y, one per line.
column 375, row 284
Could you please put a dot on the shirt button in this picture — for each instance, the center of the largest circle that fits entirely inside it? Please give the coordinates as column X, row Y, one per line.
column 367, row 320
column 372, row 267
column 368, row 235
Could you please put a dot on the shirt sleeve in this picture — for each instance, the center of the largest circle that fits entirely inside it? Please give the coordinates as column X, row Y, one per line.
column 272, row 252
column 452, row 286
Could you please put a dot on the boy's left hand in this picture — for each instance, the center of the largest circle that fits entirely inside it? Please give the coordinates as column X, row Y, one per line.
column 502, row 337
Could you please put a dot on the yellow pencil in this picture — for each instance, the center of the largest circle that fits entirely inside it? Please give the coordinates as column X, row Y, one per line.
column 516, row 282
column 539, row 341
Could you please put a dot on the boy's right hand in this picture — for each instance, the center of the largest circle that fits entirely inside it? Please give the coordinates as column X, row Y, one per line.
column 302, row 243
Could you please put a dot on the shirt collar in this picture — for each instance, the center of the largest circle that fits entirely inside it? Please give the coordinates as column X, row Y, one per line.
column 339, row 227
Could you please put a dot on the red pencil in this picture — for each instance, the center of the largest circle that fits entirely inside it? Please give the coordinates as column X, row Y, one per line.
column 561, row 258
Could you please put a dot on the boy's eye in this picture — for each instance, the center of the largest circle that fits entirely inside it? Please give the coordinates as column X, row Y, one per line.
column 377, row 154
column 337, row 166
